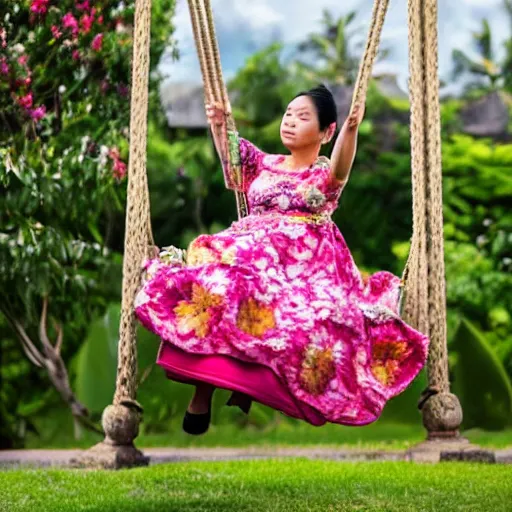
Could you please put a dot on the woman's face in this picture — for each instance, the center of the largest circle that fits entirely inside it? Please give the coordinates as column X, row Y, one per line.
column 300, row 126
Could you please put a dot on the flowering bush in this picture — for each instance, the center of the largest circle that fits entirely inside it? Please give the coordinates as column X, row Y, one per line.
column 64, row 123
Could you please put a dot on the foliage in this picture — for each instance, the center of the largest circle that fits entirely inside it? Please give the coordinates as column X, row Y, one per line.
column 331, row 55
column 64, row 109
column 480, row 381
column 485, row 72
column 61, row 205
column 263, row 88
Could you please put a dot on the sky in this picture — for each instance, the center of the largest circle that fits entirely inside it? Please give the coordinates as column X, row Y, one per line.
column 245, row 26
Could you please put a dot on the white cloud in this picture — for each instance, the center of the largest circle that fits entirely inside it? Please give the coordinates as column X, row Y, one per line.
column 245, row 26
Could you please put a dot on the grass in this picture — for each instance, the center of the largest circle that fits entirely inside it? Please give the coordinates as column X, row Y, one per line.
column 57, row 432
column 277, row 485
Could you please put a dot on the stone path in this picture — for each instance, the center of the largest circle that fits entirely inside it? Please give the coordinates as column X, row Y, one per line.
column 62, row 458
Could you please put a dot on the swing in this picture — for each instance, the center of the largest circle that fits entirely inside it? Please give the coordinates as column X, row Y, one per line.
column 248, row 381
column 423, row 300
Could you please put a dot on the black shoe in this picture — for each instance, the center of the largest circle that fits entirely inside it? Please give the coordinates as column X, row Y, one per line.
column 240, row 400
column 196, row 424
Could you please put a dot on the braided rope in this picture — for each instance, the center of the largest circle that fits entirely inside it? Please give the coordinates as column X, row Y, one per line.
column 200, row 46
column 379, row 11
column 438, row 361
column 138, row 235
column 215, row 89
column 415, row 307
column 425, row 305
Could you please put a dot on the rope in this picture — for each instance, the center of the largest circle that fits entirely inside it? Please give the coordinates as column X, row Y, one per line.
column 438, row 365
column 198, row 38
column 215, row 89
column 415, row 307
column 241, row 199
column 425, row 304
column 138, row 234
column 379, row 11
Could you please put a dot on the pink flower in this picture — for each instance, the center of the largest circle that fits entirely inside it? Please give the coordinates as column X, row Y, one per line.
column 100, row 20
column 3, row 37
column 38, row 113
column 86, row 22
column 22, row 61
column 56, row 32
column 25, row 101
column 104, row 86
column 76, row 55
column 83, row 6
column 69, row 21
column 114, row 153
column 39, row 6
column 119, row 171
column 97, row 42
column 4, row 67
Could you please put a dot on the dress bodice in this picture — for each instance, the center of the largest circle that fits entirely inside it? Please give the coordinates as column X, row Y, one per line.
column 270, row 188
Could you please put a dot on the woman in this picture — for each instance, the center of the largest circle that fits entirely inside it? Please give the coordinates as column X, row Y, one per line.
column 279, row 288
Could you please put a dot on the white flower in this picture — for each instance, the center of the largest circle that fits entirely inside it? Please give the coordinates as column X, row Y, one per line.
column 481, row 240
column 487, row 222
column 62, row 89
column 85, row 140
column 18, row 48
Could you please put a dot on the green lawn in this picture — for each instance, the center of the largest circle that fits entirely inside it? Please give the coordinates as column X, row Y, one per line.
column 58, row 433
column 273, row 485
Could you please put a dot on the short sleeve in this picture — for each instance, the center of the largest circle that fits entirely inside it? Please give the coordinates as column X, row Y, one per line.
column 332, row 187
column 250, row 161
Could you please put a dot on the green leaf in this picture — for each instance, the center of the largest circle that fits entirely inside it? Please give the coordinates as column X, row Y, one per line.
column 480, row 380
column 94, row 232
column 97, row 361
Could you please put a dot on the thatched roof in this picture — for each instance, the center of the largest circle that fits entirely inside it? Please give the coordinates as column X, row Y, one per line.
column 183, row 103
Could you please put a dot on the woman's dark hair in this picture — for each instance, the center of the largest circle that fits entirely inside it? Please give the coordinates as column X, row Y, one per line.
column 324, row 103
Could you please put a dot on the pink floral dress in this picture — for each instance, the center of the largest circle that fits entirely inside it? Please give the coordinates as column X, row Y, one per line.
column 280, row 288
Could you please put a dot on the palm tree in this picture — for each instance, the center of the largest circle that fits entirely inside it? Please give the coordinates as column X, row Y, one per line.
column 486, row 72
column 330, row 51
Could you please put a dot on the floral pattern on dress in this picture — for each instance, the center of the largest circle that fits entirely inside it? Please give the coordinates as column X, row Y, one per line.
column 280, row 288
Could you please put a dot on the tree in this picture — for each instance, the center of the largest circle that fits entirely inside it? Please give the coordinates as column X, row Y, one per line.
column 64, row 103
column 334, row 59
column 485, row 71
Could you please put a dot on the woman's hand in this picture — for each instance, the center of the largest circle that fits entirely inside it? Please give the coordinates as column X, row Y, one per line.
column 215, row 113
column 356, row 116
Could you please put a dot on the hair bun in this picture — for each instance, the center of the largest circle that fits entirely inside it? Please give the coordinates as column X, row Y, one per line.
column 325, row 104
